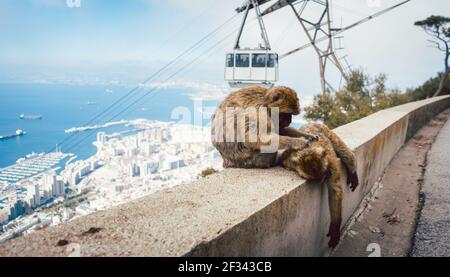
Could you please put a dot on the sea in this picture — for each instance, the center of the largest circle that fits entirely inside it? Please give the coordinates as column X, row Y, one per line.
column 67, row 106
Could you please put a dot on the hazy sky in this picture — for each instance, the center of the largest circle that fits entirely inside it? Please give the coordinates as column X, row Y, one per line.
column 128, row 40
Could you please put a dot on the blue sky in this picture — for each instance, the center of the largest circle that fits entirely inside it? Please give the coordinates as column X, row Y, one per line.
column 100, row 31
column 128, row 40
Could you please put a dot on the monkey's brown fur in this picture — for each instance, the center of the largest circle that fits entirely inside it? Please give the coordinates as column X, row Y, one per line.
column 319, row 162
column 247, row 154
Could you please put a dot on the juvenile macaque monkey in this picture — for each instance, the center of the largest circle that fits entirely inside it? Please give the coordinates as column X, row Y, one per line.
column 244, row 127
column 319, row 163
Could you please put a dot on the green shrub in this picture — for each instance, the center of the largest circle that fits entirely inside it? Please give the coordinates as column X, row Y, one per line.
column 363, row 96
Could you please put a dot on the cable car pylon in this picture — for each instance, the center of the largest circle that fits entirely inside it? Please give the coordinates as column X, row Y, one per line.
column 320, row 34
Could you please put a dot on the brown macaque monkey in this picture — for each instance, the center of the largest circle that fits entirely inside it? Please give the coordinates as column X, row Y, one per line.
column 233, row 119
column 319, row 163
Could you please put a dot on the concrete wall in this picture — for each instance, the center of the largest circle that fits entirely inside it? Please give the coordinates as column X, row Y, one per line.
column 237, row 212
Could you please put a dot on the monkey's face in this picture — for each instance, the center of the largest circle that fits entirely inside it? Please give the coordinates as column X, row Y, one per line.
column 285, row 120
column 285, row 99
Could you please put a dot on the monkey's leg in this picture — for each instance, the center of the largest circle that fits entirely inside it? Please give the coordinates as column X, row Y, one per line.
column 335, row 203
column 298, row 133
column 345, row 154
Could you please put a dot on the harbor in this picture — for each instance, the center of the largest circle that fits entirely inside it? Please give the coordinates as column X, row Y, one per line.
column 29, row 167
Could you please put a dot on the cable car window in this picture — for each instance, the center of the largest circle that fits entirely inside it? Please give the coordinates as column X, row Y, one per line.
column 259, row 60
column 273, row 60
column 230, row 60
column 242, row 60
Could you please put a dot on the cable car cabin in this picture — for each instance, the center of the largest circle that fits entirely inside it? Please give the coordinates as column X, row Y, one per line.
column 251, row 67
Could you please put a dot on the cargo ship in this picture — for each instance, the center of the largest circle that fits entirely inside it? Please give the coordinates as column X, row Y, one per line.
column 30, row 117
column 18, row 133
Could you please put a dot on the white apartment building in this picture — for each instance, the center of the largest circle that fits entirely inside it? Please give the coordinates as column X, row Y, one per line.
column 4, row 215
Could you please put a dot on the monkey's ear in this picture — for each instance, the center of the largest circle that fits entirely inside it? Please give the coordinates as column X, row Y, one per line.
column 277, row 96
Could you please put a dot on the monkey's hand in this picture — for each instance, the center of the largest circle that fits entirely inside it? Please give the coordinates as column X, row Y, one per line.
column 334, row 234
column 299, row 143
column 314, row 138
column 352, row 180
column 298, row 133
column 308, row 136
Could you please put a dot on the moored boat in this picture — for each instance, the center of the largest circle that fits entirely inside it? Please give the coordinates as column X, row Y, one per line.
column 30, row 117
column 18, row 133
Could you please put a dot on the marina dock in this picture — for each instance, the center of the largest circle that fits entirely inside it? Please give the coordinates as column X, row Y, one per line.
column 31, row 167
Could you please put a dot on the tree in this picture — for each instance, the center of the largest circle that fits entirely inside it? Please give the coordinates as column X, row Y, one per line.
column 361, row 97
column 351, row 103
column 326, row 109
column 428, row 88
column 438, row 27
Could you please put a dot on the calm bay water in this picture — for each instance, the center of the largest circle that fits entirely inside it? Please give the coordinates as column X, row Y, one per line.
column 65, row 106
